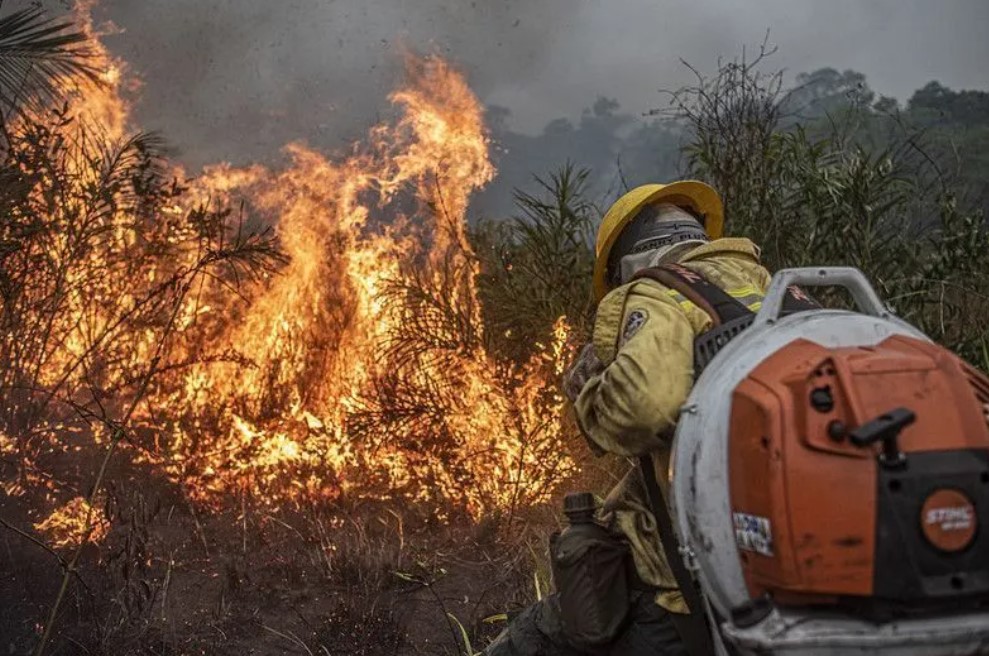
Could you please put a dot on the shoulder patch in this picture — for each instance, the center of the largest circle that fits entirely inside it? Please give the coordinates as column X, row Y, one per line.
column 635, row 320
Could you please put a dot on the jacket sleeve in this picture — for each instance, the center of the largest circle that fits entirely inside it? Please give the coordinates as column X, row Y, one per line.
column 646, row 341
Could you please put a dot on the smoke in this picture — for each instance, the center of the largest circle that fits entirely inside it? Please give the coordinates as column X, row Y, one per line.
column 236, row 79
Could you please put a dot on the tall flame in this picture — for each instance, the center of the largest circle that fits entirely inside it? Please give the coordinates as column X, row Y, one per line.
column 360, row 368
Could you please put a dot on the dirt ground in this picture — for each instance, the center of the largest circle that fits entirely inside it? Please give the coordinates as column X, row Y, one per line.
column 173, row 579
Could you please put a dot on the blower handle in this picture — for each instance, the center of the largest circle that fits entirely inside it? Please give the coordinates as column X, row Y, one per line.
column 850, row 278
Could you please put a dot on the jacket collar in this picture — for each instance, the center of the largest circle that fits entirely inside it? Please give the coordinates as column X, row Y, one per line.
column 719, row 246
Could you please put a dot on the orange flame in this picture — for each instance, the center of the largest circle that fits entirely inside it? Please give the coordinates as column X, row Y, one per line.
column 360, row 369
column 74, row 524
column 316, row 334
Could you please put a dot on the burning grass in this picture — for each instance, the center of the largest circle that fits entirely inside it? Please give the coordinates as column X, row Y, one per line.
column 342, row 353
column 258, row 349
column 74, row 524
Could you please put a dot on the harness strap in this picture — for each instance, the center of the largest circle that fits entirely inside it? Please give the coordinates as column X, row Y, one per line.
column 693, row 628
column 714, row 301
column 710, row 298
column 729, row 317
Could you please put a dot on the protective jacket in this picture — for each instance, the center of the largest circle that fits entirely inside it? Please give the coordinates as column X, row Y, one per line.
column 644, row 335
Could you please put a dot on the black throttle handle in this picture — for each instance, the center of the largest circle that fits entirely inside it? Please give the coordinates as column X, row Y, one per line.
column 885, row 428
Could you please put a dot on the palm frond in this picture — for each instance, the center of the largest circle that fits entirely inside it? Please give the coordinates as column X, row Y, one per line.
column 38, row 56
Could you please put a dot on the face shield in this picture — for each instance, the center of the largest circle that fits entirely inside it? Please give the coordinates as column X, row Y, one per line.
column 657, row 235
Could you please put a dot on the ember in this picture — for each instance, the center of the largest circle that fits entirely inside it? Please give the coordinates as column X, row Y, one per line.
column 74, row 524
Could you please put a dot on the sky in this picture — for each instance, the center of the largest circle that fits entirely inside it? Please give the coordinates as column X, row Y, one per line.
column 236, row 79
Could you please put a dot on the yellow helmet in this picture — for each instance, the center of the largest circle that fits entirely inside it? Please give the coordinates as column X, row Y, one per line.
column 699, row 198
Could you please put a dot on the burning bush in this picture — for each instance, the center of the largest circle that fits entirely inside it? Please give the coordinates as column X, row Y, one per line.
column 341, row 352
column 298, row 338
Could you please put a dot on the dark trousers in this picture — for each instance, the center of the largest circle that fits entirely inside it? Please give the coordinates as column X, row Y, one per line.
column 538, row 631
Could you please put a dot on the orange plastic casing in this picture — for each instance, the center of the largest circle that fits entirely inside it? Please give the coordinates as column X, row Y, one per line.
column 819, row 492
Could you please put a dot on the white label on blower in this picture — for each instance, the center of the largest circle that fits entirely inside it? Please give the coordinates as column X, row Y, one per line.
column 753, row 533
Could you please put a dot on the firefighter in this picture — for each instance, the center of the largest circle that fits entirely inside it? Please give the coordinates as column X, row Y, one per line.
column 628, row 385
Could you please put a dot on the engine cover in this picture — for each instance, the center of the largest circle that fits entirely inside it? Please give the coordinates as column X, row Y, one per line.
column 830, row 484
column 819, row 518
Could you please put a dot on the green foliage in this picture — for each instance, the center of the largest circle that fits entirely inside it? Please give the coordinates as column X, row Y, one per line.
column 831, row 192
column 826, row 91
column 956, row 135
column 941, row 103
column 823, row 173
column 536, row 267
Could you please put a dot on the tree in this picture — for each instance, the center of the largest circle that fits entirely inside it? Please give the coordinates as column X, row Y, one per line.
column 536, row 267
column 957, row 137
column 826, row 91
column 810, row 195
column 936, row 102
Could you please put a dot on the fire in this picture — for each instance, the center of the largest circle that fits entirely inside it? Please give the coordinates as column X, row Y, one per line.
column 74, row 524
column 102, row 107
column 315, row 403
column 359, row 369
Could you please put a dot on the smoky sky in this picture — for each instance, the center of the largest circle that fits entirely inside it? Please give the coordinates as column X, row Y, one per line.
column 236, row 79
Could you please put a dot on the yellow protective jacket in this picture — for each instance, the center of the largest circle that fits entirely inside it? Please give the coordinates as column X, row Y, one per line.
column 644, row 335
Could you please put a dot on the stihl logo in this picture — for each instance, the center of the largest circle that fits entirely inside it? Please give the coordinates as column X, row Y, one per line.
column 948, row 520
column 958, row 518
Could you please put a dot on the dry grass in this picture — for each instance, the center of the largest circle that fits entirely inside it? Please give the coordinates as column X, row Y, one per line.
column 368, row 582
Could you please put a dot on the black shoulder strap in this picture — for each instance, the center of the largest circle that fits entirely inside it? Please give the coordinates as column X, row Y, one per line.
column 716, row 302
column 713, row 300
column 693, row 629
column 729, row 317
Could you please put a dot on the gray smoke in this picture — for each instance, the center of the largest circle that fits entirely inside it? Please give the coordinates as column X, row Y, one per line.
column 236, row 79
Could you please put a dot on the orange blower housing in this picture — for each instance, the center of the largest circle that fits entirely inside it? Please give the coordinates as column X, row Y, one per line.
column 860, row 476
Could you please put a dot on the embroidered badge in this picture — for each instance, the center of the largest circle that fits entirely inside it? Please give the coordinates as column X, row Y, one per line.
column 636, row 319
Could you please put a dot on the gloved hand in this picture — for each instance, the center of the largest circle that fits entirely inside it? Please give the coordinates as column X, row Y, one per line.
column 583, row 369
